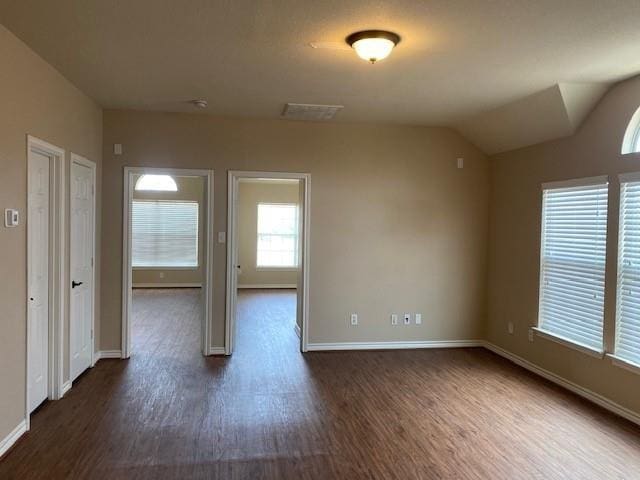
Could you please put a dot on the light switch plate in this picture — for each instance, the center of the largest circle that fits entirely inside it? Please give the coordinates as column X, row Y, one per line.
column 418, row 319
column 222, row 237
column 11, row 218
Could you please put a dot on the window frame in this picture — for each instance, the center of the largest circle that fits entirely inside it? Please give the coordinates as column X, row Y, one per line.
column 618, row 360
column 538, row 329
column 274, row 268
column 168, row 267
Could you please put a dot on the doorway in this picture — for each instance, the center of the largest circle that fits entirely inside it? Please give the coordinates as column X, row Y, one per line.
column 168, row 260
column 45, row 272
column 268, row 254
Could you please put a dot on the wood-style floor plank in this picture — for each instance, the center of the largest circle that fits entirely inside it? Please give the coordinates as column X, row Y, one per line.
column 270, row 412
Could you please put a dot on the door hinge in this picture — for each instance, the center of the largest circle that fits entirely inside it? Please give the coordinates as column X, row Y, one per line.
column 92, row 261
column 92, row 333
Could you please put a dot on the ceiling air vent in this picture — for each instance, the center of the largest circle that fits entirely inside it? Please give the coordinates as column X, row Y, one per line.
column 313, row 113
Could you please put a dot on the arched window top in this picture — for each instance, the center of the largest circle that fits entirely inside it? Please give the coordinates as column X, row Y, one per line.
column 631, row 142
column 163, row 183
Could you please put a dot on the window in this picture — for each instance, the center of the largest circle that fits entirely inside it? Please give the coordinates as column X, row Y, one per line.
column 158, row 183
column 572, row 261
column 627, row 346
column 631, row 141
column 277, row 235
column 164, row 233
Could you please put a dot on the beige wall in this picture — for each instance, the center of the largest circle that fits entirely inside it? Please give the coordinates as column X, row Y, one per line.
column 515, row 241
column 395, row 226
column 35, row 100
column 189, row 188
column 250, row 194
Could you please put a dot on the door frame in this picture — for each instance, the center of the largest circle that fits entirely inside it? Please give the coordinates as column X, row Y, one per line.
column 57, row 269
column 302, row 308
column 79, row 159
column 127, row 281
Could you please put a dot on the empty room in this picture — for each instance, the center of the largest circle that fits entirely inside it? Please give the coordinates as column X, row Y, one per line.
column 319, row 239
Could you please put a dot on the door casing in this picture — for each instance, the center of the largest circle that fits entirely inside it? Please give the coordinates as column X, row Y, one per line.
column 57, row 270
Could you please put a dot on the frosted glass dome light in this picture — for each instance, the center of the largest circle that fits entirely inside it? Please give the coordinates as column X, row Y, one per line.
column 373, row 45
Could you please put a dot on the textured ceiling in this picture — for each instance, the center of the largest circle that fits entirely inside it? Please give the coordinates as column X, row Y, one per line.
column 249, row 57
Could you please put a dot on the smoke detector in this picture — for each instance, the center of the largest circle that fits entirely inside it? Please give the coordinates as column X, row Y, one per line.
column 200, row 103
column 310, row 112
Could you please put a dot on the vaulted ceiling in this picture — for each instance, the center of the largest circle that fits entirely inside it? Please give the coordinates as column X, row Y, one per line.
column 457, row 62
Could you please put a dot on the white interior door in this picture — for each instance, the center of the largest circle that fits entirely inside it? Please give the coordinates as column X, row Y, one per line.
column 81, row 265
column 38, row 278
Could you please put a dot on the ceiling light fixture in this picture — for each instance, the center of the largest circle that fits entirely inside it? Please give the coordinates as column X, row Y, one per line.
column 200, row 103
column 373, row 45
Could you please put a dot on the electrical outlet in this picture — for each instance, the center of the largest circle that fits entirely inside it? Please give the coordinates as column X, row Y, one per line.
column 531, row 334
column 161, row 274
column 394, row 319
column 407, row 319
column 510, row 328
column 418, row 319
column 354, row 319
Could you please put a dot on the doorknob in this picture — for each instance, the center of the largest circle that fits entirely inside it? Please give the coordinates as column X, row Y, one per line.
column 75, row 284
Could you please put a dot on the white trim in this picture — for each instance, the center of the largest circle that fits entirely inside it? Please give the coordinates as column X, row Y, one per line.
column 267, row 285
column 296, row 328
column 127, row 275
column 216, row 351
column 563, row 382
column 576, row 182
column 622, row 363
column 166, row 285
column 629, row 177
column 7, row 442
column 234, row 177
column 57, row 269
column 319, row 347
column 80, row 160
column 568, row 343
column 66, row 386
column 102, row 354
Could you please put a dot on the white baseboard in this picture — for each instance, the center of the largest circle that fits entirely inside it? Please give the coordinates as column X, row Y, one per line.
column 167, row 285
column 216, row 351
column 318, row 347
column 7, row 442
column 265, row 285
column 108, row 354
column 296, row 328
column 569, row 385
column 66, row 386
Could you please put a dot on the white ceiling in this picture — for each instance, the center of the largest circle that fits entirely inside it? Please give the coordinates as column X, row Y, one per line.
column 457, row 58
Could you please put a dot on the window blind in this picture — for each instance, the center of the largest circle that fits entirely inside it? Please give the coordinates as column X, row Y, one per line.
column 277, row 235
column 572, row 261
column 627, row 345
column 164, row 233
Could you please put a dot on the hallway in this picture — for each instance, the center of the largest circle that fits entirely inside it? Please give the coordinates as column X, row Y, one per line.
column 271, row 413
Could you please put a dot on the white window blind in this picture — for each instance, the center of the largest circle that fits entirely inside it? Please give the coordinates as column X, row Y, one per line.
column 164, row 233
column 628, row 304
column 277, row 235
column 572, row 261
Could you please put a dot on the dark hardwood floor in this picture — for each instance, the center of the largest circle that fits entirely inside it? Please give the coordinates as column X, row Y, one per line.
column 271, row 413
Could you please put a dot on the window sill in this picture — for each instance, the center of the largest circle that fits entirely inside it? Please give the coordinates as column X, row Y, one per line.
column 622, row 363
column 278, row 269
column 568, row 343
column 166, row 268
